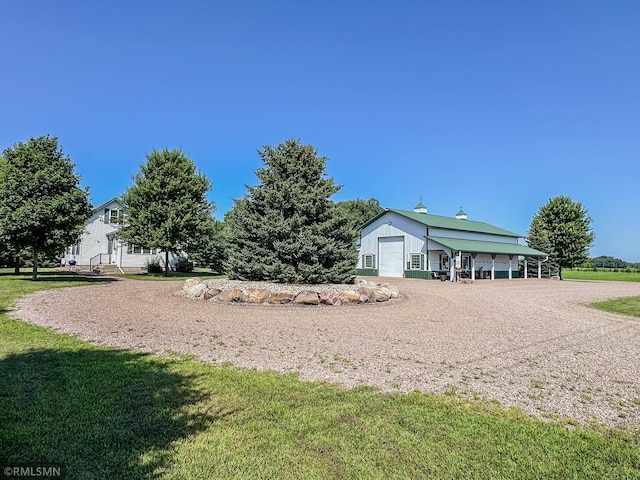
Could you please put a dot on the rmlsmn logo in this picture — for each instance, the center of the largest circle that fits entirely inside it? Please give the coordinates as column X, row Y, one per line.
column 32, row 471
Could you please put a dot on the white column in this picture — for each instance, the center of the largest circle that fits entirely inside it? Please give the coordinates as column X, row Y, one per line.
column 493, row 268
column 510, row 267
column 473, row 268
column 539, row 268
column 525, row 269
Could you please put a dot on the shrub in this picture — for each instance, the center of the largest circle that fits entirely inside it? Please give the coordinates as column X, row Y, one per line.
column 184, row 265
column 153, row 266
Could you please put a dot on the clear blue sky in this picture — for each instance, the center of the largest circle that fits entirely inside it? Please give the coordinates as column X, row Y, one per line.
column 492, row 106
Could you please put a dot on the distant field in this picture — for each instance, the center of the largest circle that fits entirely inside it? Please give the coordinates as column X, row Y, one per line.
column 607, row 275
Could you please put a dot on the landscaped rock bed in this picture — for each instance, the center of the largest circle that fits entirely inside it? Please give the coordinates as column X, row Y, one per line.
column 222, row 290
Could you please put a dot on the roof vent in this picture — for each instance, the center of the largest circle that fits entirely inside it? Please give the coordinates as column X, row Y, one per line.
column 420, row 208
column 461, row 215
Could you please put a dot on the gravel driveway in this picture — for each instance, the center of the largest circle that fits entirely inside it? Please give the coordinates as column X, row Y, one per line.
column 531, row 344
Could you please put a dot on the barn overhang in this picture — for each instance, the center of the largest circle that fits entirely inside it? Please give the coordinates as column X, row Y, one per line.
column 481, row 246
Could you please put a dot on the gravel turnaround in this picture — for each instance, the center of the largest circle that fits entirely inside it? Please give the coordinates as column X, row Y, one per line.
column 532, row 344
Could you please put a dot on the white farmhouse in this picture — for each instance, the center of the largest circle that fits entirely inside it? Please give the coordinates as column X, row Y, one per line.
column 416, row 244
column 100, row 245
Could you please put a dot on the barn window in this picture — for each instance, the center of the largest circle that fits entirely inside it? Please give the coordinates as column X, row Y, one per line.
column 369, row 261
column 416, row 261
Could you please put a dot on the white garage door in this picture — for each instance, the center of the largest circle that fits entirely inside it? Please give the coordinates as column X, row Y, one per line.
column 391, row 254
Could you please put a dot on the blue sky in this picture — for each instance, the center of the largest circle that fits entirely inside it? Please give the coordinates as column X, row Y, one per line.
column 492, row 106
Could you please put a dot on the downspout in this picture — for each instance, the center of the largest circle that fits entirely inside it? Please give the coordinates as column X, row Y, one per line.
column 541, row 262
column 119, row 257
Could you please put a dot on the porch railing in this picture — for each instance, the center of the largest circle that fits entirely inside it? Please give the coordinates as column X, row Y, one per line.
column 99, row 259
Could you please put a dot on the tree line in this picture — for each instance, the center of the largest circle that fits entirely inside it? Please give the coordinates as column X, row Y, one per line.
column 285, row 229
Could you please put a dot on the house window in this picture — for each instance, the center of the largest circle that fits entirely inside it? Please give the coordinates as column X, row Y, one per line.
column 114, row 216
column 135, row 249
column 416, row 261
column 444, row 262
column 369, row 261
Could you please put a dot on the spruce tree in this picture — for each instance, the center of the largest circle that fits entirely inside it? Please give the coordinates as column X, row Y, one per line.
column 287, row 229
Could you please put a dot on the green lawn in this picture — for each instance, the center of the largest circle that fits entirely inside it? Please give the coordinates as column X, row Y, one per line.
column 624, row 305
column 607, row 275
column 109, row 413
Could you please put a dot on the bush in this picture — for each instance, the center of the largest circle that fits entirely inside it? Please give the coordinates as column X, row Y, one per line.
column 153, row 266
column 184, row 265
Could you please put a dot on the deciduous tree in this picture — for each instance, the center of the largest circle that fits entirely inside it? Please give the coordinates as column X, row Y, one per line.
column 42, row 207
column 167, row 204
column 287, row 228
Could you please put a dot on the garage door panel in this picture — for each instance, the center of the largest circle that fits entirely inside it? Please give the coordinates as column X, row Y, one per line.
column 391, row 255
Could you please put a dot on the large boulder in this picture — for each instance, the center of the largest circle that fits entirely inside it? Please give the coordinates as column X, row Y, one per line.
column 395, row 291
column 366, row 294
column 196, row 291
column 349, row 296
column 329, row 298
column 211, row 293
column 307, row 298
column 231, row 295
column 280, row 298
column 381, row 294
column 254, row 295
column 190, row 282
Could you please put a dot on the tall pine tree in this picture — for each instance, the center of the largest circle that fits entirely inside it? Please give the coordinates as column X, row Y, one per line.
column 287, row 229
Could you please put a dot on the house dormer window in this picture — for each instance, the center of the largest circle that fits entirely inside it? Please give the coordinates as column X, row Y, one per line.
column 114, row 216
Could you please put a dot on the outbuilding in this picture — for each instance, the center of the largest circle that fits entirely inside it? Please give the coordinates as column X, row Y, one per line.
column 417, row 244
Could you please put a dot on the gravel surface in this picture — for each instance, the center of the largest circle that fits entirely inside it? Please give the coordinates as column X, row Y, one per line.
column 531, row 344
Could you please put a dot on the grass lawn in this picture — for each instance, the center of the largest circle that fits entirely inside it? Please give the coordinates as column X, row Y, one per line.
column 624, row 305
column 607, row 275
column 108, row 413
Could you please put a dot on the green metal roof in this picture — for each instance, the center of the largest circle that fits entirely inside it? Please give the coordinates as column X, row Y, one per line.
column 478, row 246
column 451, row 223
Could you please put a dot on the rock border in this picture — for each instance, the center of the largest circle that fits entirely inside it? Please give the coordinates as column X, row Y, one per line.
column 230, row 291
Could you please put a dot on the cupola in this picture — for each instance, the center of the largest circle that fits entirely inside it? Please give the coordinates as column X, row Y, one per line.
column 420, row 208
column 461, row 215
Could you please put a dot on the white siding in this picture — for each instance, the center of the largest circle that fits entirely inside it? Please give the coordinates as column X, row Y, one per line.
column 393, row 225
column 443, row 232
column 94, row 238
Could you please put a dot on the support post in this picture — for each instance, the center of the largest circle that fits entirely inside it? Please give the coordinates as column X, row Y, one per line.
column 473, row 266
column 493, row 266
column 510, row 267
column 539, row 268
column 525, row 268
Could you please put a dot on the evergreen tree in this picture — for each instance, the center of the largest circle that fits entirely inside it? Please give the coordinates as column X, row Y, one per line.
column 42, row 207
column 167, row 205
column 287, row 229
column 562, row 228
column 209, row 246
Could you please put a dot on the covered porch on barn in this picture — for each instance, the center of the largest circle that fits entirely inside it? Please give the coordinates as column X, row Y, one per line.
column 477, row 259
